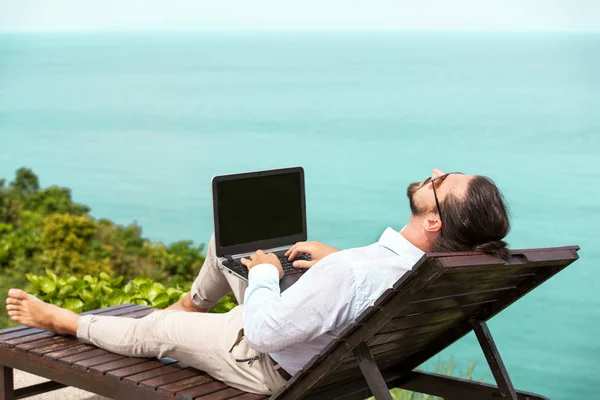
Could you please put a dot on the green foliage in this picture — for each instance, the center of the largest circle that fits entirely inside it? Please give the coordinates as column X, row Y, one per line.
column 226, row 304
column 43, row 228
column 90, row 292
column 26, row 182
column 66, row 241
column 54, row 200
column 180, row 259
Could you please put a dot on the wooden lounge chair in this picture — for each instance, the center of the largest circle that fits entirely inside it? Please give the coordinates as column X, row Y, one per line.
column 443, row 298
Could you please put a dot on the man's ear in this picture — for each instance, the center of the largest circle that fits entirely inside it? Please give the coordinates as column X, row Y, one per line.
column 432, row 223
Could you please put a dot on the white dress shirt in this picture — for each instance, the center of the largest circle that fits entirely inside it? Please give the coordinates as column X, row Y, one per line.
column 295, row 325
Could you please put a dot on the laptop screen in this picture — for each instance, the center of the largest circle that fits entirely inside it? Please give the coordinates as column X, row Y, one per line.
column 259, row 209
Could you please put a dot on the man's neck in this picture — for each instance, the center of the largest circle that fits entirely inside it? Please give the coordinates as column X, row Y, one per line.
column 414, row 235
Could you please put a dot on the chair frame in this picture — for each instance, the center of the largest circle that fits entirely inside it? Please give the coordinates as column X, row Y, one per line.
column 448, row 294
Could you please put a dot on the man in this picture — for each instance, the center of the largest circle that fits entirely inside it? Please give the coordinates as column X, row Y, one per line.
column 258, row 345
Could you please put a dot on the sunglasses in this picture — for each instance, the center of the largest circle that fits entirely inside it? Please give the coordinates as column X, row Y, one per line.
column 436, row 181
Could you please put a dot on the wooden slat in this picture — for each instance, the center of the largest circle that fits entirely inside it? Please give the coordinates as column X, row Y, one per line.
column 169, row 378
column 26, row 338
column 395, row 336
column 443, row 288
column 465, row 274
column 528, row 258
column 91, row 362
column 80, row 348
column 137, row 378
column 44, row 342
column 136, row 369
column 183, row 384
column 82, row 356
column 434, row 317
column 13, row 329
column 564, row 255
column 472, row 260
column 117, row 364
column 4, row 336
column 510, row 280
column 451, row 302
column 221, row 395
column 192, row 393
column 408, row 344
column 58, row 345
column 489, row 294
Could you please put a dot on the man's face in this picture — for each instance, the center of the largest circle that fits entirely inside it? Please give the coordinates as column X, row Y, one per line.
column 421, row 196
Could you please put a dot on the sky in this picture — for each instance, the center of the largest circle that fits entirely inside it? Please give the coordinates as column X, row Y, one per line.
column 469, row 15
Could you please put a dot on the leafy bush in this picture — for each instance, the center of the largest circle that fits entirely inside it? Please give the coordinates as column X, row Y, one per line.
column 44, row 228
column 91, row 293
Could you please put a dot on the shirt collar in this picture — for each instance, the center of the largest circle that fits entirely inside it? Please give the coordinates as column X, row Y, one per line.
column 397, row 243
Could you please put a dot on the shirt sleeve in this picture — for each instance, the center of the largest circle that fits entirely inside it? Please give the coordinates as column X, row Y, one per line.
column 319, row 301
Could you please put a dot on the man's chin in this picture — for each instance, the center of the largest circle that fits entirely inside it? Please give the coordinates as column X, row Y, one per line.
column 410, row 193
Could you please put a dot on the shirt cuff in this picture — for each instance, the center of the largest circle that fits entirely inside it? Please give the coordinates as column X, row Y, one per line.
column 263, row 273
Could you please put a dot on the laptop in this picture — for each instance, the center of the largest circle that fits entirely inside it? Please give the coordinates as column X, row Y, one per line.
column 263, row 210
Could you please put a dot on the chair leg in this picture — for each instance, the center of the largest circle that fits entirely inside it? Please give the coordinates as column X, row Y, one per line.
column 493, row 358
column 7, row 391
column 449, row 387
column 371, row 372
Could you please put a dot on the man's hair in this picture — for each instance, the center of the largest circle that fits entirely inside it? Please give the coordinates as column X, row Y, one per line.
column 476, row 221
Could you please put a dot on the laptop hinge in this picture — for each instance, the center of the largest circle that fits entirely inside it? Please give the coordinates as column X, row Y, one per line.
column 229, row 258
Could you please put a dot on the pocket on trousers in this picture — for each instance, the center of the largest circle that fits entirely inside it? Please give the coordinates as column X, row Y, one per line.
column 241, row 353
column 249, row 362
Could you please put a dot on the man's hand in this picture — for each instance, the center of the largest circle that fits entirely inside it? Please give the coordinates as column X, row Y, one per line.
column 317, row 252
column 260, row 257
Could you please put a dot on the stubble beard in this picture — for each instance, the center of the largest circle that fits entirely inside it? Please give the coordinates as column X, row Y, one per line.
column 410, row 193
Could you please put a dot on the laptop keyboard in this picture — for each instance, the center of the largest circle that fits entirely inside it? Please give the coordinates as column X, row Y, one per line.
column 285, row 264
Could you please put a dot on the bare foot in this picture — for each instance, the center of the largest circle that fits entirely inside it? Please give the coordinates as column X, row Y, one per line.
column 31, row 311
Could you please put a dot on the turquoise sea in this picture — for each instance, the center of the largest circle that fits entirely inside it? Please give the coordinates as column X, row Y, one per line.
column 137, row 124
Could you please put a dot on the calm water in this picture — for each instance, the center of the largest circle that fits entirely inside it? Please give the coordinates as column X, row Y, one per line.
column 137, row 125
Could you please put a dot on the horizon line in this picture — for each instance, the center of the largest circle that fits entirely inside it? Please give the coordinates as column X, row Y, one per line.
column 298, row 30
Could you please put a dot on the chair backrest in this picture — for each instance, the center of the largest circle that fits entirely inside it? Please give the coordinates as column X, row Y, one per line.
column 428, row 309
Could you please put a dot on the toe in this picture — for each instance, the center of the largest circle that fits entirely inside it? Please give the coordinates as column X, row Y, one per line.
column 12, row 307
column 17, row 294
column 13, row 313
column 10, row 300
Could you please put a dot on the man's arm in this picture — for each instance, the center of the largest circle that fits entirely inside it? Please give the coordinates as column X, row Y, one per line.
column 273, row 321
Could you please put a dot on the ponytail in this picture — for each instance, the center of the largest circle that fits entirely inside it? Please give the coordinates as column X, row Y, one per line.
column 496, row 248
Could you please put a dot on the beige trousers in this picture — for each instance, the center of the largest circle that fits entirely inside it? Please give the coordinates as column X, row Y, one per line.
column 213, row 343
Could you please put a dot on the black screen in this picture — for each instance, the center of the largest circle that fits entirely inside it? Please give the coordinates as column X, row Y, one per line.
column 259, row 208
